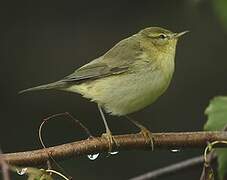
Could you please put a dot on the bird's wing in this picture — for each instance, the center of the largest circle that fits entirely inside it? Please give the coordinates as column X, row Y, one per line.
column 91, row 71
column 117, row 60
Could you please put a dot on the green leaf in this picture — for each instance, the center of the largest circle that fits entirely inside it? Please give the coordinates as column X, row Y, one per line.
column 37, row 174
column 220, row 8
column 217, row 120
column 217, row 114
column 222, row 163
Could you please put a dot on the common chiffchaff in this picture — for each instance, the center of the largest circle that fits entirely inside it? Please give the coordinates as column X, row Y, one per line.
column 128, row 77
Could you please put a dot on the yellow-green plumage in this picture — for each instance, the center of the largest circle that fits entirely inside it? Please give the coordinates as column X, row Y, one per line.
column 130, row 76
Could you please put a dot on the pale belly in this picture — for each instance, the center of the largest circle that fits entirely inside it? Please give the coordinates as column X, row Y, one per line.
column 124, row 94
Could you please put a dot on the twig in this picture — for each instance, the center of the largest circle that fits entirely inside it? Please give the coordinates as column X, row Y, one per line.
column 171, row 169
column 72, row 118
column 207, row 169
column 125, row 142
column 5, row 168
column 179, row 166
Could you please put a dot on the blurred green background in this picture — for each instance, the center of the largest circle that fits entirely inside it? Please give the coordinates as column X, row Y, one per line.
column 43, row 42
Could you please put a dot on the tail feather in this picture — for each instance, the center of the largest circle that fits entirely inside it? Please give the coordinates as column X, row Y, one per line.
column 54, row 85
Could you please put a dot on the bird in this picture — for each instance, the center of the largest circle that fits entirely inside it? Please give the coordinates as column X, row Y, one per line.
column 133, row 74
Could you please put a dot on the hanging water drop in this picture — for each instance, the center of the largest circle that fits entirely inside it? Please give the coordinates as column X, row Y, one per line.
column 175, row 150
column 22, row 171
column 114, row 152
column 93, row 156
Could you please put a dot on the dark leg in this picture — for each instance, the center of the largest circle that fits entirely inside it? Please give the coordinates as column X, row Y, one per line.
column 146, row 133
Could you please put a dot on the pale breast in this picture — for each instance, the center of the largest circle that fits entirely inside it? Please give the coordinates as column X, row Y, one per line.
column 126, row 93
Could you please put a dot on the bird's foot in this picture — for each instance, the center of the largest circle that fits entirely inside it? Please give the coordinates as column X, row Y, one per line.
column 148, row 136
column 145, row 132
column 111, row 141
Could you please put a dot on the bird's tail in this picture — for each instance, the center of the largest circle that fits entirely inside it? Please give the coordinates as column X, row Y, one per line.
column 54, row 85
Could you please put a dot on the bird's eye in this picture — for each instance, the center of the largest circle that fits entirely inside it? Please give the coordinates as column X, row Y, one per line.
column 162, row 36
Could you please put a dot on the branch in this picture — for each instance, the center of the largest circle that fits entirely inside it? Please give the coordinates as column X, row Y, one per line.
column 5, row 168
column 173, row 168
column 125, row 142
column 179, row 166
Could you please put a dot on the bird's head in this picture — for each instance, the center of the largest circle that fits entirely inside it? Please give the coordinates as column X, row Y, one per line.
column 161, row 38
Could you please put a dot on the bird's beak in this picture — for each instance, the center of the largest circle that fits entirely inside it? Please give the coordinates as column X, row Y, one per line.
column 177, row 35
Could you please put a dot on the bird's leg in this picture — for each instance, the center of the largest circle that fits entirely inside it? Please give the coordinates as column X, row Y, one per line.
column 144, row 131
column 108, row 134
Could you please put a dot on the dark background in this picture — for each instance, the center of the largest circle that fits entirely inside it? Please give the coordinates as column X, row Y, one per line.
column 43, row 42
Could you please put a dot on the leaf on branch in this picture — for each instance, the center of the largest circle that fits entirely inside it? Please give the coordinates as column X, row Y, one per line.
column 217, row 120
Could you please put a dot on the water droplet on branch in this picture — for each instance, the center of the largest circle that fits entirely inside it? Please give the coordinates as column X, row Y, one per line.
column 114, row 152
column 93, row 156
column 175, row 150
column 22, row 171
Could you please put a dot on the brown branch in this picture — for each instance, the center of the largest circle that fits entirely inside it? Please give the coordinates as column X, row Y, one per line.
column 125, row 142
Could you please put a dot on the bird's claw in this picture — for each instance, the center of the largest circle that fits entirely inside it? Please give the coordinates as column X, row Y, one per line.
column 111, row 141
column 148, row 136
